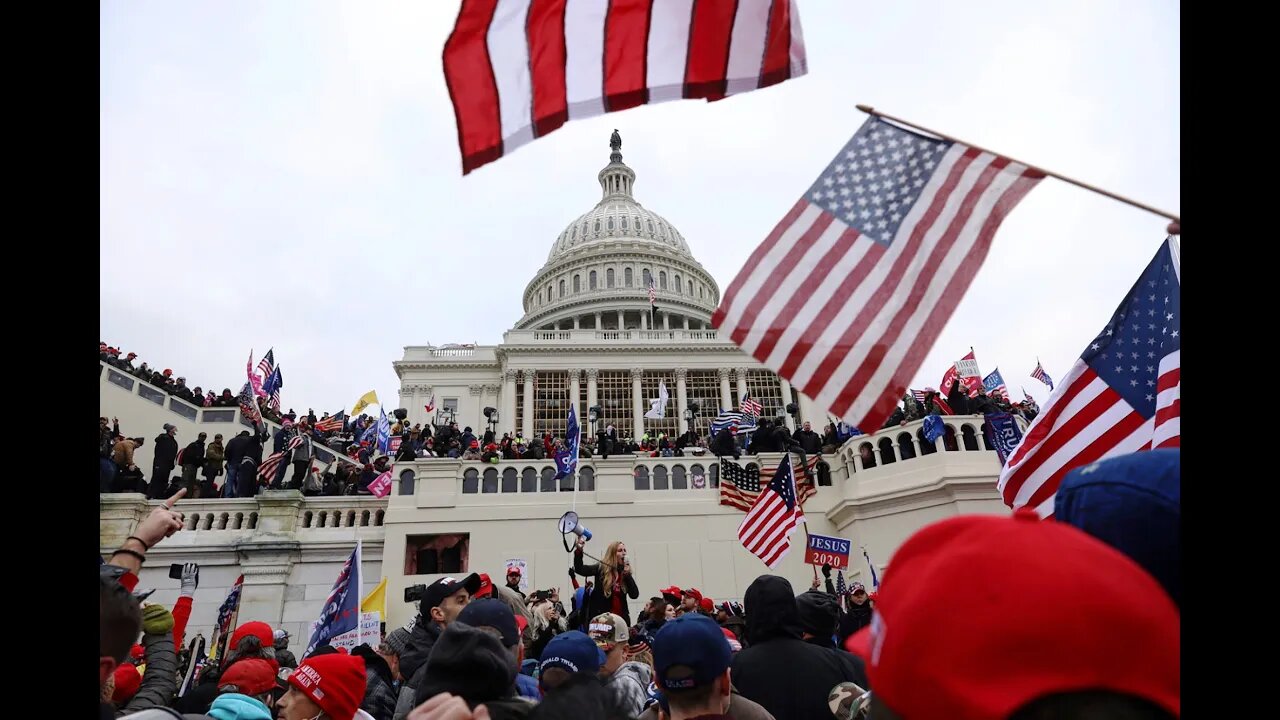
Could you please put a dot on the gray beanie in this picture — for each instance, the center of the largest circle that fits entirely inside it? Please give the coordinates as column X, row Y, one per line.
column 397, row 640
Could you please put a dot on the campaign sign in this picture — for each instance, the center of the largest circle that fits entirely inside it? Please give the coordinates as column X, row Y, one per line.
column 823, row 550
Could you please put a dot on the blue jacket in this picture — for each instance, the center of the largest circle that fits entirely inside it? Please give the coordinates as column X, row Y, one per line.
column 234, row 706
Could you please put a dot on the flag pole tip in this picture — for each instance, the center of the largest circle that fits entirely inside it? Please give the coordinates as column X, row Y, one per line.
column 866, row 109
column 1175, row 228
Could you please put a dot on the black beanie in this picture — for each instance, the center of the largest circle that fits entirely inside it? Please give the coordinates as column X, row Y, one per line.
column 470, row 663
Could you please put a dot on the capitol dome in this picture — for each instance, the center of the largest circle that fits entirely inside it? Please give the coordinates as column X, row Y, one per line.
column 598, row 272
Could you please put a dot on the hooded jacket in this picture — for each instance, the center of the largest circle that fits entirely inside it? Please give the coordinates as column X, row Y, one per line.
column 786, row 675
column 379, row 694
column 235, row 706
column 166, row 450
column 628, row 687
column 413, row 662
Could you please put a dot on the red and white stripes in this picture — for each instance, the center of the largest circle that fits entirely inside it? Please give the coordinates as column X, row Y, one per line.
column 519, row 69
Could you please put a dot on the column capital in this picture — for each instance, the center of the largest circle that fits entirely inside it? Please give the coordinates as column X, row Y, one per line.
column 475, row 389
column 740, row 372
column 509, row 374
column 724, row 373
column 575, row 376
column 492, row 388
column 593, row 373
column 529, row 375
column 681, row 373
column 637, row 373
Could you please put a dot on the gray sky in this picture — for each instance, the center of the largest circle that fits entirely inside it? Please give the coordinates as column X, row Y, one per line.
column 287, row 174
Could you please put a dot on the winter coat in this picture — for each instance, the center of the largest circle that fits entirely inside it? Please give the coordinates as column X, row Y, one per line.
column 235, row 449
column 628, row 687
column 740, row 708
column 809, row 440
column 379, row 695
column 235, row 706
column 122, row 453
column 166, row 450
column 193, row 453
column 896, row 418
column 764, row 440
column 597, row 602
column 213, row 459
column 467, row 662
column 856, row 618
column 958, row 399
column 422, row 638
column 786, row 675
column 159, row 682
column 722, row 444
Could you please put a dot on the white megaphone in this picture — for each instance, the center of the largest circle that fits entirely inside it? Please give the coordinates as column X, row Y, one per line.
column 569, row 523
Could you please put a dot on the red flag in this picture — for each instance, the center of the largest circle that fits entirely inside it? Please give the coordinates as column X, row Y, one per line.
column 970, row 383
column 519, row 69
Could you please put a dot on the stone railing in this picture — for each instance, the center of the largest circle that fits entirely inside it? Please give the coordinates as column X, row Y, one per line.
column 963, row 433
column 175, row 405
column 599, row 337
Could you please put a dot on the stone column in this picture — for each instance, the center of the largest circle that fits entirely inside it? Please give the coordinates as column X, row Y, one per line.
column 726, row 400
column 621, row 324
column 682, row 399
column 741, row 375
column 477, row 421
column 575, row 392
column 508, row 413
column 666, row 320
column 592, row 375
column 599, row 327
column 786, row 398
column 526, row 422
column 575, row 322
column 686, row 322
column 637, row 402
column 644, row 320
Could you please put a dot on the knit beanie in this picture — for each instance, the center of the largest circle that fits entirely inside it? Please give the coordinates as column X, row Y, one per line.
column 334, row 682
column 258, row 629
column 156, row 620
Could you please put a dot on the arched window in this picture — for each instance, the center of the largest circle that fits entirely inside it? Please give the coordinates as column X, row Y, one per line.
column 648, row 277
column 597, row 226
column 561, row 288
column 650, row 227
column 591, row 281
column 610, row 221
column 608, row 278
column 676, row 283
column 577, row 284
column 699, row 291
column 624, row 222
column 662, row 280
column 627, row 277
column 690, row 288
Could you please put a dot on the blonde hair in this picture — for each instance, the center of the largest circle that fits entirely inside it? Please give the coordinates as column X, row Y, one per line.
column 608, row 564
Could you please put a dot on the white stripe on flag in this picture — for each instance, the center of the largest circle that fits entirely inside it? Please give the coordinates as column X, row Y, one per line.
column 668, row 49
column 769, row 264
column 584, row 24
column 798, row 275
column 509, row 54
column 747, row 47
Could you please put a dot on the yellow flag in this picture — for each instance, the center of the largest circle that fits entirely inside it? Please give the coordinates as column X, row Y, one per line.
column 376, row 600
column 367, row 399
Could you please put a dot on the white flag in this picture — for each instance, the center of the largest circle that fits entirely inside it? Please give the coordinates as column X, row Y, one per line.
column 658, row 407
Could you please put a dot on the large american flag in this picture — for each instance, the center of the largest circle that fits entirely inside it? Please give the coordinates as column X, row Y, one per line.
column 268, row 468
column 1041, row 375
column 1123, row 395
column 267, row 364
column 738, row 422
column 766, row 530
column 332, row 423
column 898, row 225
column 749, row 406
column 740, row 485
column 519, row 69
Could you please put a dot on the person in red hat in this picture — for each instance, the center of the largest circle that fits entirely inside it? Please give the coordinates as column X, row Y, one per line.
column 513, row 580
column 707, row 606
column 326, row 687
column 1063, row 626
column 689, row 601
column 245, row 691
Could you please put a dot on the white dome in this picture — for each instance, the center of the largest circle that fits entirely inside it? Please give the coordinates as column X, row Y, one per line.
column 618, row 218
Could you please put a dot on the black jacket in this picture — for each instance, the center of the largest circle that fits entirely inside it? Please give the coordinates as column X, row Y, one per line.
column 764, row 440
column 894, row 419
column 236, row 449
column 958, row 399
column 597, row 603
column 722, row 444
column 788, row 676
column 809, row 440
column 193, row 454
column 423, row 637
column 166, row 450
column 470, row 663
column 379, row 697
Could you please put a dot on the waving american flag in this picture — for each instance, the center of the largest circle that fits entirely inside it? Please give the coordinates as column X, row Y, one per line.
column 1123, row 395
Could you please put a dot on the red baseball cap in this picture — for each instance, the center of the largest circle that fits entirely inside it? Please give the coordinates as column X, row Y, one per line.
column 1053, row 610
column 486, row 587
column 251, row 676
column 707, row 604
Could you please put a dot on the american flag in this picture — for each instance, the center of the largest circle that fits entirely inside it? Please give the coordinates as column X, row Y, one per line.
column 227, row 613
column 766, row 530
column 1041, row 375
column 749, row 406
column 269, row 466
column 1026, row 396
column 267, row 364
column 249, row 404
column 919, row 395
column 740, row 485
column 902, row 224
column 332, row 423
column 519, row 69
column 841, row 589
column 1123, row 395
column 994, row 383
column 653, row 293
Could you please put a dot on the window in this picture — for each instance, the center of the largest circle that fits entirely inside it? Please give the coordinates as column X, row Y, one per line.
column 437, row 554
column 668, row 425
column 548, row 292
column 699, row 291
column 624, row 223
column 613, row 392
column 650, row 227
column 610, row 223
column 450, row 404
column 577, row 283
column 677, row 284
column 597, row 226
column 627, row 277
column 662, row 279
column 702, row 387
column 765, row 389
column 574, row 234
column 608, row 277
column 648, row 277
column 561, row 288
column 550, row 402
column 592, row 281
column 690, row 288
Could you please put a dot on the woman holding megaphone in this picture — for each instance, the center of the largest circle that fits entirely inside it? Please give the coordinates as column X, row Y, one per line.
column 612, row 579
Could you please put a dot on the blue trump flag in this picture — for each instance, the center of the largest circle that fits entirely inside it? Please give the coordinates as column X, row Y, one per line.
column 1003, row 434
column 567, row 457
column 384, row 433
column 341, row 613
column 933, row 428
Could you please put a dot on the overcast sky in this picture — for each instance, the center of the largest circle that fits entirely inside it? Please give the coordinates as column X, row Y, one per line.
column 287, row 174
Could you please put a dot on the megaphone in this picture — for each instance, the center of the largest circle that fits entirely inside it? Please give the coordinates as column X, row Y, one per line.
column 569, row 523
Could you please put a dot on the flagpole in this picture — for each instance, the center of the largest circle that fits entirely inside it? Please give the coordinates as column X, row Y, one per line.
column 1174, row 227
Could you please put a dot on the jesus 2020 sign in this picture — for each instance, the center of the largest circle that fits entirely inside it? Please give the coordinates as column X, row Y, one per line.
column 823, row 550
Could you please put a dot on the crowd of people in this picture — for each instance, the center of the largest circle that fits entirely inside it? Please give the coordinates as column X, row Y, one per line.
column 1074, row 617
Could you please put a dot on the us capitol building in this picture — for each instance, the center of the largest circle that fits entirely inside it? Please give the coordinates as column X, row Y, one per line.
column 587, row 336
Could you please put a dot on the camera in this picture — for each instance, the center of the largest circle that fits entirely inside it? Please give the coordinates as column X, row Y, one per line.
column 414, row 593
